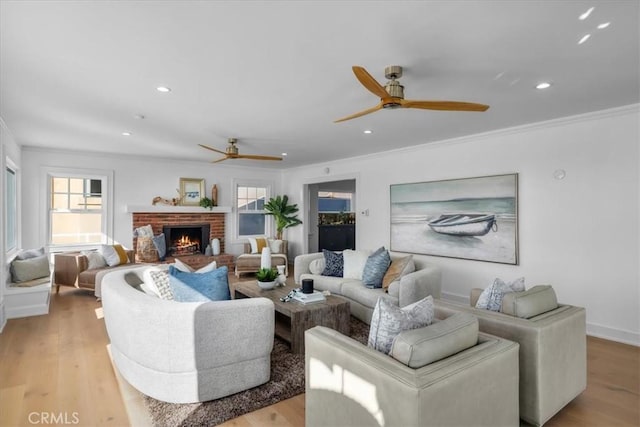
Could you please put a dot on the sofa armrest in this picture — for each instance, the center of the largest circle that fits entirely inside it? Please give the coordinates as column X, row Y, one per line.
column 301, row 264
column 348, row 383
column 420, row 284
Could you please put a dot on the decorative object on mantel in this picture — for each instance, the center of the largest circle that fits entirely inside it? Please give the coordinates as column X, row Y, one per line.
column 267, row 278
column 162, row 201
column 284, row 213
column 191, row 191
column 208, row 251
column 214, row 195
column 206, row 202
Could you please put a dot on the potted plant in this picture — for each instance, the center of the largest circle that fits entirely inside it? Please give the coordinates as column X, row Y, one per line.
column 267, row 278
column 284, row 214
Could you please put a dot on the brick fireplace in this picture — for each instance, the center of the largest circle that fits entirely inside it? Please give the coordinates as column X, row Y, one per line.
column 158, row 220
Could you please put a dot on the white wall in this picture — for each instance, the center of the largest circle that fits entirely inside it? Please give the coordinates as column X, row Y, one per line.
column 137, row 181
column 579, row 234
column 8, row 148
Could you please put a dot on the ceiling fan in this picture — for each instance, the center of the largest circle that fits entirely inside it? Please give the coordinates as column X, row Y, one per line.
column 392, row 95
column 232, row 153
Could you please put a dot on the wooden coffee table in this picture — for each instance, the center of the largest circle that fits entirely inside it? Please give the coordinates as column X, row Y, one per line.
column 293, row 318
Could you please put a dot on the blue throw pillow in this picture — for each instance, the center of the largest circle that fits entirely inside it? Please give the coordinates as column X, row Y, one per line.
column 374, row 270
column 161, row 246
column 333, row 264
column 194, row 287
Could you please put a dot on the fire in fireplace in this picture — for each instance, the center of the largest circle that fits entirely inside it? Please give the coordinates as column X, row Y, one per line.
column 186, row 239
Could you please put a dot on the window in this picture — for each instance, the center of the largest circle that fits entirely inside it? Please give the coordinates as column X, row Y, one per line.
column 334, row 202
column 250, row 200
column 76, row 215
column 11, row 209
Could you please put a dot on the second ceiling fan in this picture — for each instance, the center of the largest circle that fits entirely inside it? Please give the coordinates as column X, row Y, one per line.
column 232, row 153
column 392, row 95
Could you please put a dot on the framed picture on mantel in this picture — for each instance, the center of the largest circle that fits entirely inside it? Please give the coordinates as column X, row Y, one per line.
column 191, row 191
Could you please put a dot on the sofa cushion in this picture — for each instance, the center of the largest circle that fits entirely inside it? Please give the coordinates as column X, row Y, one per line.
column 192, row 287
column 398, row 268
column 528, row 304
column 389, row 320
column 316, row 266
column 24, row 270
column 326, row 283
column 353, row 289
column 491, row 297
column 354, row 262
column 422, row 346
column 375, row 268
column 333, row 263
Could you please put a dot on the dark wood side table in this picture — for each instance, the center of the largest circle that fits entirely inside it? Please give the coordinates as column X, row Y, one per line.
column 293, row 318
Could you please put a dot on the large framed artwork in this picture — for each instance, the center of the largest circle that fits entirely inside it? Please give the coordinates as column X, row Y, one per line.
column 469, row 218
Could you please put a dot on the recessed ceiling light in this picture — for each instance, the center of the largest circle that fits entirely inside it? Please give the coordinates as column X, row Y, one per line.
column 284, row 154
column 584, row 38
column 126, row 133
column 139, row 116
column 543, row 85
column 368, row 131
column 163, row 89
column 586, row 14
column 604, row 25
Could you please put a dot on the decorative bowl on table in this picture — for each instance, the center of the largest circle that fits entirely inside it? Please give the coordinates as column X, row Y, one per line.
column 267, row 285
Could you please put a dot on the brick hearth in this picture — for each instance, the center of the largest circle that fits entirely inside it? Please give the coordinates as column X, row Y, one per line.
column 159, row 219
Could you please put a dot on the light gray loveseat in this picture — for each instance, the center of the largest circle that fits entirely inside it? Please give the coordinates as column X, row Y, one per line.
column 183, row 352
column 553, row 354
column 412, row 287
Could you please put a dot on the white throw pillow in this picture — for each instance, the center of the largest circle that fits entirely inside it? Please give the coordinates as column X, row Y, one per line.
column 354, row 262
column 316, row 266
column 275, row 245
column 188, row 269
column 95, row 260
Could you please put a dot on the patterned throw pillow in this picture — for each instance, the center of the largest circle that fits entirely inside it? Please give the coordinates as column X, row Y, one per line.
column 114, row 255
column 389, row 320
column 375, row 268
column 333, row 264
column 161, row 282
column 491, row 297
column 257, row 244
column 161, row 245
column 95, row 260
column 398, row 268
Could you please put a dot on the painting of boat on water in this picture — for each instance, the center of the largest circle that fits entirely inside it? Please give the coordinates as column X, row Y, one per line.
column 468, row 218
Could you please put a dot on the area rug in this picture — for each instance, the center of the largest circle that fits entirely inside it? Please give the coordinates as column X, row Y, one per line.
column 287, row 380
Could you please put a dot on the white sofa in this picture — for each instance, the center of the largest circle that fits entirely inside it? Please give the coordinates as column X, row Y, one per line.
column 424, row 281
column 183, row 352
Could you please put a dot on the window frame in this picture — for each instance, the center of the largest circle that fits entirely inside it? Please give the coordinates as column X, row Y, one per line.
column 10, row 251
column 106, row 176
column 268, row 223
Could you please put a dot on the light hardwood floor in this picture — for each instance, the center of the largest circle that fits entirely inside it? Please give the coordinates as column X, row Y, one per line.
column 56, row 368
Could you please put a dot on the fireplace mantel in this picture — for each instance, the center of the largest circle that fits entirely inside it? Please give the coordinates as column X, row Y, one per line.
column 175, row 209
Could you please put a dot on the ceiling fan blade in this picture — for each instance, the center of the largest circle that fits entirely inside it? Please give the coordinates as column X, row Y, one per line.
column 361, row 113
column 219, row 160
column 443, row 105
column 369, row 82
column 212, row 149
column 256, row 157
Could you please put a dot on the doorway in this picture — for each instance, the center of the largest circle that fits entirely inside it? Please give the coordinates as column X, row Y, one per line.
column 331, row 216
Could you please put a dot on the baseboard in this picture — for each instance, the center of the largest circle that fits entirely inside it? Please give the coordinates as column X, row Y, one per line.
column 3, row 317
column 593, row 329
column 613, row 334
column 27, row 310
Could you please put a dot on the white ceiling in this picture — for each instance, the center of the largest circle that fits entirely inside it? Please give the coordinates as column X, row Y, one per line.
column 74, row 74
